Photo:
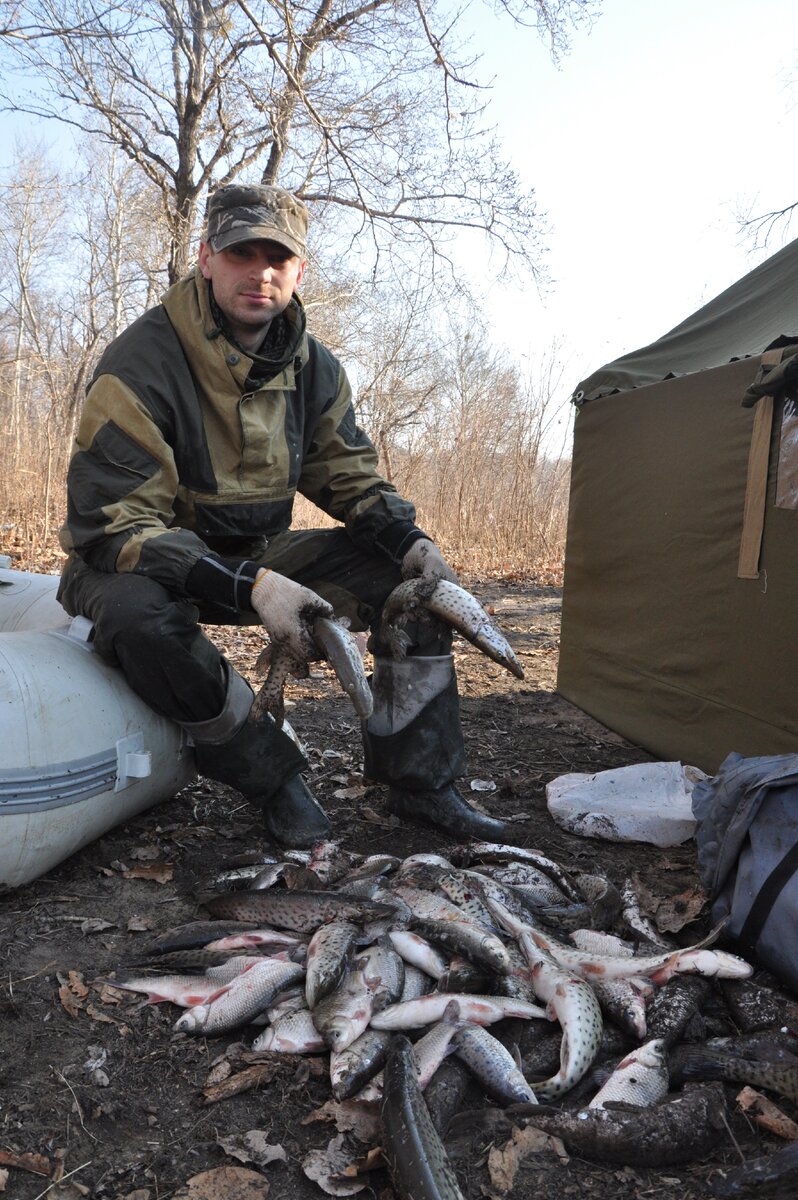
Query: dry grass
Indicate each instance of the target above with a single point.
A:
(510, 526)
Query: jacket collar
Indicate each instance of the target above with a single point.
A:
(196, 320)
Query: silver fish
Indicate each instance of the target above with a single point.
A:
(428, 1052)
(384, 971)
(291, 1000)
(493, 1065)
(262, 938)
(641, 1078)
(416, 983)
(183, 990)
(481, 1010)
(417, 951)
(345, 1013)
(454, 605)
(248, 994)
(341, 651)
(293, 1033)
(334, 643)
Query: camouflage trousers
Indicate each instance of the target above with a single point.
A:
(413, 739)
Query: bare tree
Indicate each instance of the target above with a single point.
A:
(364, 109)
(33, 209)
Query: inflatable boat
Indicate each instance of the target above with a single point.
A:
(79, 751)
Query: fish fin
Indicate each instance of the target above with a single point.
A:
(516, 1053)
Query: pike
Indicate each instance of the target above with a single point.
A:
(417, 1161)
(454, 605)
(426, 905)
(300, 911)
(495, 852)
(462, 888)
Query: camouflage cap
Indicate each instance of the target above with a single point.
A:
(242, 212)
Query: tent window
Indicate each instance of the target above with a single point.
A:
(787, 472)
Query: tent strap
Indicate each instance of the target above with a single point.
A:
(757, 481)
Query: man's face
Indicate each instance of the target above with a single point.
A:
(252, 283)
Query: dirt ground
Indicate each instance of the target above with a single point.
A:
(106, 1095)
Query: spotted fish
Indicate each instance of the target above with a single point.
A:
(334, 643)
(452, 604)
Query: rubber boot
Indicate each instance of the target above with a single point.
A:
(414, 743)
(264, 764)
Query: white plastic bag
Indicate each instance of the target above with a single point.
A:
(645, 802)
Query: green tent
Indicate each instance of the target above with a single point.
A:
(680, 608)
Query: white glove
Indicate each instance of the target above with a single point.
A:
(425, 559)
(287, 611)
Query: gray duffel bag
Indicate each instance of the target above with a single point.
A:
(747, 841)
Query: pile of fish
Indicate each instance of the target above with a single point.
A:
(397, 969)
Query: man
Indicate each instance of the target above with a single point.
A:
(202, 421)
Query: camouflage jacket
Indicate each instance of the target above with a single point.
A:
(178, 452)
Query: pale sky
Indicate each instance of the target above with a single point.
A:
(663, 122)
